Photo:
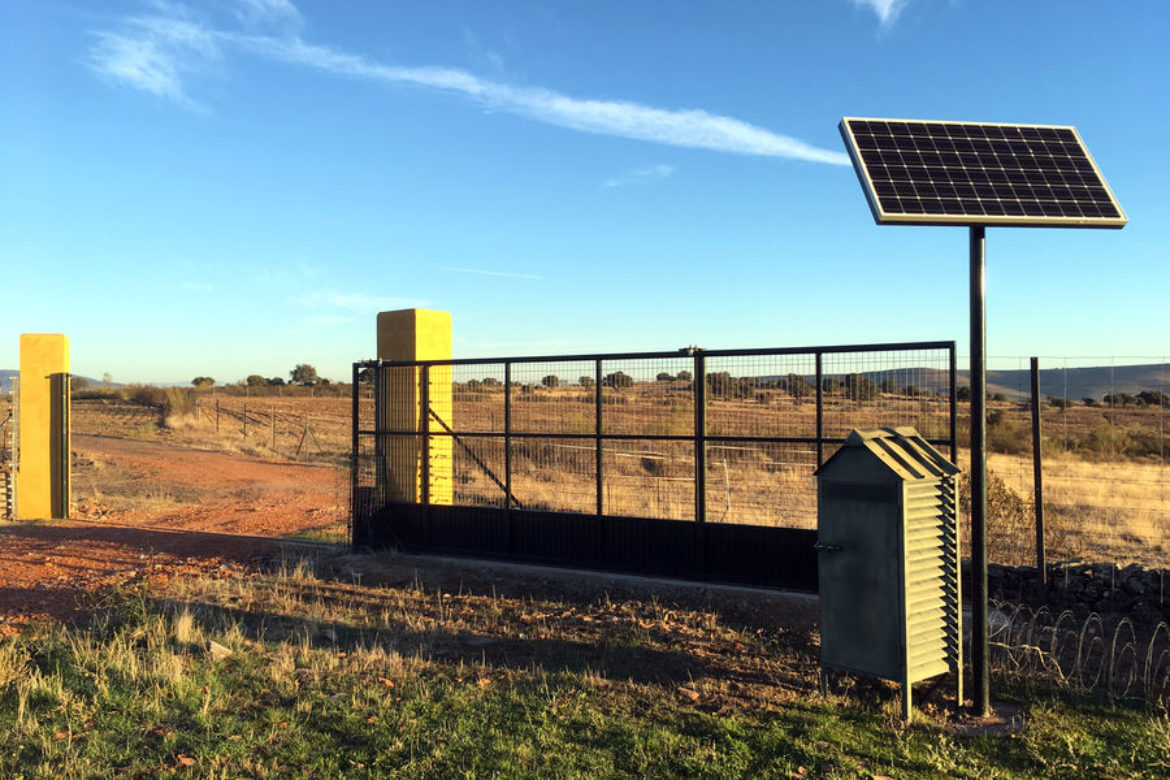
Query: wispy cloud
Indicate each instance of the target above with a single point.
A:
(503, 274)
(640, 176)
(199, 287)
(156, 53)
(887, 10)
(360, 303)
(279, 14)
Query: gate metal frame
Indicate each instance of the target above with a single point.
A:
(698, 549)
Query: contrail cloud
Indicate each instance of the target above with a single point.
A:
(156, 53)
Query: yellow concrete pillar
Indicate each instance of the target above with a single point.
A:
(42, 480)
(416, 334)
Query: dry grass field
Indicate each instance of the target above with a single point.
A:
(1107, 487)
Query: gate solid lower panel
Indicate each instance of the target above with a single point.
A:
(710, 552)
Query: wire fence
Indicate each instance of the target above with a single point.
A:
(1105, 445)
(715, 436)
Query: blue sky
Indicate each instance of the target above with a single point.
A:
(235, 186)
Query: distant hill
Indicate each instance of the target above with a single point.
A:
(7, 375)
(1072, 383)
(1077, 383)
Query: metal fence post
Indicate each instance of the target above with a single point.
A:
(700, 393)
(600, 455)
(508, 437)
(954, 399)
(1038, 472)
(353, 457)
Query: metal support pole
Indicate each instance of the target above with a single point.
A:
(979, 608)
(508, 437)
(1038, 472)
(954, 417)
(353, 457)
(597, 427)
(699, 388)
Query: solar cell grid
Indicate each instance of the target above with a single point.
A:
(968, 174)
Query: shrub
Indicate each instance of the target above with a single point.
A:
(618, 379)
(1007, 435)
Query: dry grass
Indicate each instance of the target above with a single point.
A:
(1103, 507)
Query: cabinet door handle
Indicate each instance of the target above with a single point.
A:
(827, 547)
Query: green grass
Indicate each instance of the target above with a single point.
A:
(328, 679)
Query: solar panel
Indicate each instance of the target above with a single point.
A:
(965, 173)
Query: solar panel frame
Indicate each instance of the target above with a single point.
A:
(929, 172)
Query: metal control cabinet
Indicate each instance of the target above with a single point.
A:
(888, 543)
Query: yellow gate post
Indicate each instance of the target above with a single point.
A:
(42, 479)
(409, 335)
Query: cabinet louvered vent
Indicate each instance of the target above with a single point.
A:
(889, 560)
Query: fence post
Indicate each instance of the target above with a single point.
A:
(1038, 472)
(700, 392)
(353, 458)
(216, 416)
(954, 421)
(245, 416)
(273, 446)
(820, 396)
(508, 443)
(597, 433)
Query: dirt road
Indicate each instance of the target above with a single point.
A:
(150, 511)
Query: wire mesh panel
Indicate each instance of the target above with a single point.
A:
(478, 398)
(762, 483)
(554, 474)
(730, 438)
(887, 389)
(1105, 463)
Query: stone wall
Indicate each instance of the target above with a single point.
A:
(1135, 591)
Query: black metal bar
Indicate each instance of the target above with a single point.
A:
(1038, 472)
(355, 455)
(979, 606)
(597, 432)
(699, 388)
(380, 476)
(509, 499)
(954, 400)
(508, 429)
(424, 421)
(830, 349)
(820, 396)
(648, 437)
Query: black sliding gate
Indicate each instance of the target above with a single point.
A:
(696, 464)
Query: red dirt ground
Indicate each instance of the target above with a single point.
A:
(148, 511)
